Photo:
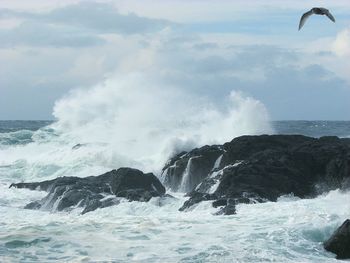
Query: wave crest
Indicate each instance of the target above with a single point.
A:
(146, 121)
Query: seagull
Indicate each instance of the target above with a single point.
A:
(316, 11)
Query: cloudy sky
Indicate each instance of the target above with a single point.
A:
(208, 48)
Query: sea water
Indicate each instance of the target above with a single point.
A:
(289, 230)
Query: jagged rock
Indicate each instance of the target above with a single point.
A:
(135, 185)
(219, 202)
(94, 192)
(262, 168)
(195, 164)
(339, 242)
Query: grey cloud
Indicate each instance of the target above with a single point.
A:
(9, 13)
(288, 90)
(324, 53)
(36, 34)
(104, 18)
(245, 58)
(79, 25)
(99, 17)
(205, 46)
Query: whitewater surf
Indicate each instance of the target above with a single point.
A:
(289, 230)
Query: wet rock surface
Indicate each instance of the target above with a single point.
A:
(262, 168)
(339, 242)
(248, 169)
(94, 192)
(197, 164)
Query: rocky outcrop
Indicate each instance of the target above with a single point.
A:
(262, 168)
(339, 242)
(246, 170)
(94, 192)
(187, 169)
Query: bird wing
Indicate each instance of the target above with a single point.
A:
(324, 10)
(330, 16)
(304, 17)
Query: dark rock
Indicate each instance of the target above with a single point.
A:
(100, 203)
(136, 181)
(197, 164)
(196, 197)
(94, 192)
(219, 202)
(339, 242)
(262, 168)
(135, 195)
(228, 209)
(33, 205)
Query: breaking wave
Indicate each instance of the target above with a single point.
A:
(146, 121)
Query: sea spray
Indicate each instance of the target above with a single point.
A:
(146, 121)
(289, 230)
(133, 121)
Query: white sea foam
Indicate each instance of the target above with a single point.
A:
(286, 231)
(145, 121)
(134, 121)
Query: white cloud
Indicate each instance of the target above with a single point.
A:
(100, 18)
(341, 45)
(271, 68)
(208, 10)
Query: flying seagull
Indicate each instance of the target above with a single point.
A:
(316, 11)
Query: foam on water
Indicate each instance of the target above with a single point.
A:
(15, 138)
(290, 230)
(137, 122)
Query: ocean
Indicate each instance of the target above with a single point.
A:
(289, 230)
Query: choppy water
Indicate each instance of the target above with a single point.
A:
(290, 230)
(313, 128)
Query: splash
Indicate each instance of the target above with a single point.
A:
(133, 121)
(145, 121)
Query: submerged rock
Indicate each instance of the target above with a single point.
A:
(262, 168)
(94, 192)
(228, 209)
(339, 242)
(196, 198)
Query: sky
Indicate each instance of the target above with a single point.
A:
(49, 49)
